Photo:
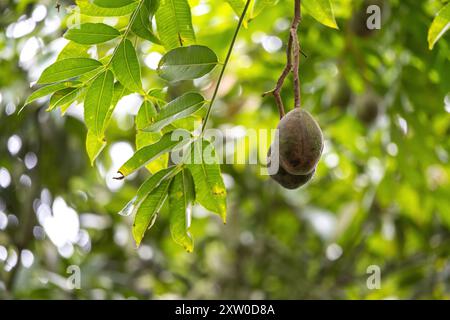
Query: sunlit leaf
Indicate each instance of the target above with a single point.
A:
(260, 5)
(173, 19)
(46, 90)
(113, 3)
(148, 186)
(94, 145)
(322, 11)
(170, 141)
(439, 26)
(90, 9)
(149, 199)
(238, 8)
(67, 68)
(209, 186)
(179, 108)
(64, 98)
(142, 24)
(145, 116)
(181, 196)
(126, 66)
(74, 50)
(98, 102)
(186, 63)
(91, 33)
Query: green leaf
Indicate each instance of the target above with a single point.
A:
(178, 108)
(98, 102)
(142, 26)
(64, 98)
(439, 26)
(126, 66)
(238, 8)
(113, 3)
(119, 92)
(209, 186)
(143, 156)
(92, 33)
(94, 146)
(90, 9)
(148, 186)
(322, 11)
(67, 68)
(260, 5)
(187, 63)
(149, 199)
(148, 210)
(145, 116)
(74, 50)
(46, 90)
(181, 196)
(173, 19)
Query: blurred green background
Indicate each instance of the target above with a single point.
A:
(380, 196)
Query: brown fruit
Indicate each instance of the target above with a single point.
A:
(287, 180)
(300, 142)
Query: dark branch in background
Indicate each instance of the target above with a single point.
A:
(292, 51)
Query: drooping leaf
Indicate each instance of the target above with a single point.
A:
(126, 66)
(142, 24)
(439, 26)
(98, 102)
(187, 63)
(181, 196)
(46, 90)
(145, 116)
(322, 11)
(173, 19)
(113, 3)
(94, 146)
(210, 189)
(92, 33)
(90, 9)
(67, 68)
(170, 141)
(179, 108)
(64, 98)
(148, 186)
(148, 210)
(118, 93)
(148, 201)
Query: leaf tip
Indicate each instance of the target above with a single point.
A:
(119, 176)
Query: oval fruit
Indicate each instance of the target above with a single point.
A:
(287, 180)
(300, 142)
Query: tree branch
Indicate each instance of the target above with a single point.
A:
(292, 51)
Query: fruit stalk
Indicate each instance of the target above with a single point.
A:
(292, 64)
(296, 52)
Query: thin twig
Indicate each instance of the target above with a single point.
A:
(296, 53)
(292, 51)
